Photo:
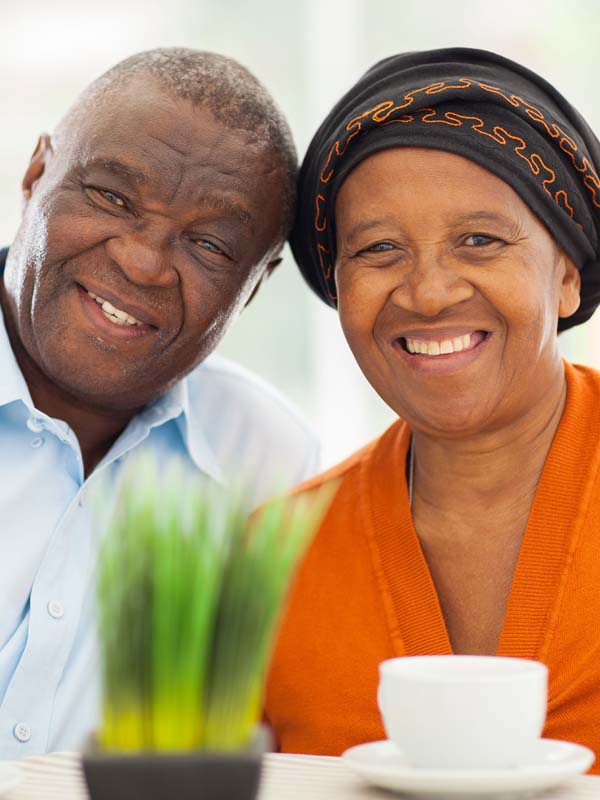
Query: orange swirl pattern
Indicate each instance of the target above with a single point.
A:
(388, 112)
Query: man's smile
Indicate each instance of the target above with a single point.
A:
(111, 319)
(116, 315)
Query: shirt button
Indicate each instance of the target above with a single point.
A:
(55, 609)
(37, 442)
(36, 425)
(22, 732)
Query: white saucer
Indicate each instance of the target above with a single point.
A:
(10, 777)
(384, 765)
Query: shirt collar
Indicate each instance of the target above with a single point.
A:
(175, 406)
(192, 431)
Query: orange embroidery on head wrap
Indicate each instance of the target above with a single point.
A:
(320, 218)
(386, 113)
(324, 259)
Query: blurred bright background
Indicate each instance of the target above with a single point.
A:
(307, 52)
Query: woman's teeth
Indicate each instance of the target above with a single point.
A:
(114, 314)
(439, 348)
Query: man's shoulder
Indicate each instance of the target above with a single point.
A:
(252, 426)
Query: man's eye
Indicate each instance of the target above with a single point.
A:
(479, 240)
(110, 197)
(113, 198)
(210, 246)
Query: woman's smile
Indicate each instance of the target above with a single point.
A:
(439, 352)
(440, 343)
(440, 347)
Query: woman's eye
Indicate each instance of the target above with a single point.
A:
(479, 240)
(378, 247)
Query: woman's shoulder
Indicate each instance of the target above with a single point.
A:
(583, 374)
(583, 390)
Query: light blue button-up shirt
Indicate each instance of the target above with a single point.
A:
(221, 421)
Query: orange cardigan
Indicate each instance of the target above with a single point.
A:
(364, 592)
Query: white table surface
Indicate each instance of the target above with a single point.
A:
(285, 777)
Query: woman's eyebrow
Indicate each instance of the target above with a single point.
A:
(368, 224)
(472, 217)
(468, 218)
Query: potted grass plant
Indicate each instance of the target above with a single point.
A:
(189, 594)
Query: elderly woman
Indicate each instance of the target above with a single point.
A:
(449, 208)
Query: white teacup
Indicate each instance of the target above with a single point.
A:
(463, 712)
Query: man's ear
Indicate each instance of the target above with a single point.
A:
(570, 289)
(270, 267)
(37, 165)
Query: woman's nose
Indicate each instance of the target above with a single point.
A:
(145, 260)
(431, 286)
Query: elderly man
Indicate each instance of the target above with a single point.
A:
(150, 218)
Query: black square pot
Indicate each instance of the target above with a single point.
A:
(164, 777)
(184, 776)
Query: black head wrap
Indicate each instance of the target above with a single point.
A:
(478, 105)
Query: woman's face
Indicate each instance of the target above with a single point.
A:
(449, 289)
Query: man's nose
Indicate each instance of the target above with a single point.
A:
(145, 260)
(431, 285)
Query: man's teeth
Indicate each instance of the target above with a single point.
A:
(114, 314)
(440, 348)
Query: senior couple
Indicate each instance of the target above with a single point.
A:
(449, 208)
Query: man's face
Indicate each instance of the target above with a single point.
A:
(449, 290)
(153, 206)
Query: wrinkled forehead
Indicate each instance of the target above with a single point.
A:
(167, 146)
(424, 175)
